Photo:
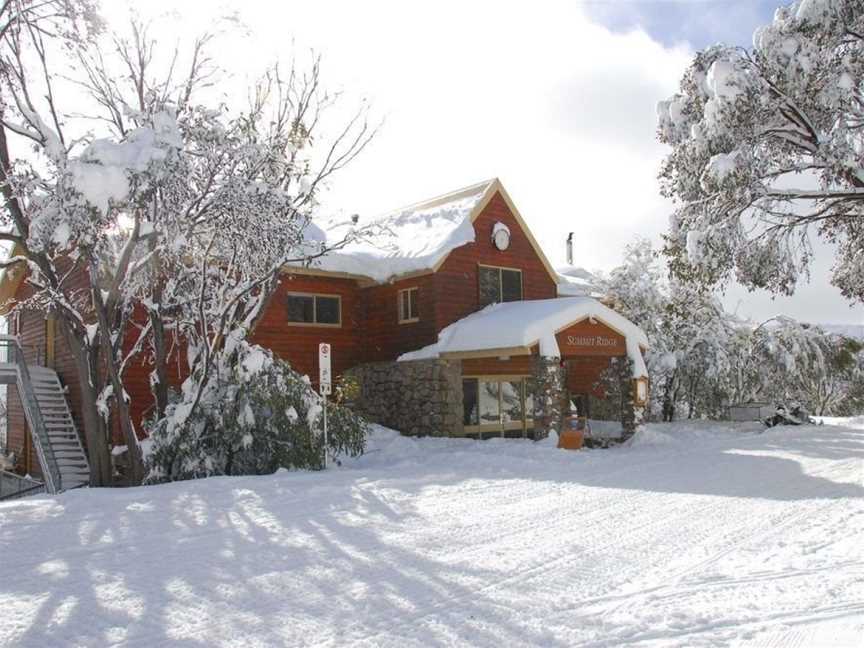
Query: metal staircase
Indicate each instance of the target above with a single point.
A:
(52, 428)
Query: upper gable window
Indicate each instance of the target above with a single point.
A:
(499, 285)
(321, 310)
(408, 308)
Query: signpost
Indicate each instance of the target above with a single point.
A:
(325, 385)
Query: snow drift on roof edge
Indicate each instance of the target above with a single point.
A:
(411, 239)
(525, 323)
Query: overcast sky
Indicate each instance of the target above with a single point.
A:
(555, 98)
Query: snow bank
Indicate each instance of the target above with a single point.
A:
(685, 434)
(523, 324)
(411, 239)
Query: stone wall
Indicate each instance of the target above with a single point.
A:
(549, 384)
(418, 398)
(619, 404)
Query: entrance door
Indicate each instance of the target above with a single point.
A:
(497, 406)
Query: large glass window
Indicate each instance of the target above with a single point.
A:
(499, 285)
(511, 401)
(492, 404)
(315, 309)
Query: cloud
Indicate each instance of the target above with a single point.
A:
(611, 97)
(558, 106)
(699, 23)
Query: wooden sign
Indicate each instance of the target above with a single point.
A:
(591, 339)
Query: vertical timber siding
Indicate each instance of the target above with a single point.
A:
(384, 338)
(456, 282)
(298, 344)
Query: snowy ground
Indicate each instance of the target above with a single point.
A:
(706, 536)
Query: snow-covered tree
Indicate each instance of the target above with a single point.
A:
(255, 415)
(766, 149)
(180, 210)
(684, 324)
(703, 358)
(805, 364)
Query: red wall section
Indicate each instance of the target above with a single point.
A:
(298, 344)
(456, 284)
(583, 373)
(513, 366)
(136, 378)
(384, 338)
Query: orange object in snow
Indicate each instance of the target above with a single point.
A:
(573, 434)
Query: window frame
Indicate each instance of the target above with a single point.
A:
(484, 429)
(500, 270)
(399, 313)
(315, 297)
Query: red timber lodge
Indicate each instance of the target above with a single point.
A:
(449, 321)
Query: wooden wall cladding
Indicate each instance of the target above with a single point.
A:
(512, 366)
(456, 282)
(298, 344)
(383, 337)
(583, 374)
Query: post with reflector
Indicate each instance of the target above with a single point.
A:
(324, 385)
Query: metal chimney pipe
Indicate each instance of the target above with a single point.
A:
(570, 249)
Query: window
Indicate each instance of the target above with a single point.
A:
(323, 310)
(490, 402)
(499, 285)
(408, 310)
(493, 404)
(469, 401)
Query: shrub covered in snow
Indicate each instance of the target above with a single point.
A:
(256, 415)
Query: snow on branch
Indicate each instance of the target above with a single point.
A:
(770, 135)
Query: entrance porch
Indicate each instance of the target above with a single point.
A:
(514, 370)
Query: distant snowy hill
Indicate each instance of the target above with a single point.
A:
(574, 281)
(849, 330)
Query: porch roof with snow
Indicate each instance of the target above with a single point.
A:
(514, 328)
(411, 240)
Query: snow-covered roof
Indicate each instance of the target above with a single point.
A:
(522, 324)
(574, 281)
(412, 239)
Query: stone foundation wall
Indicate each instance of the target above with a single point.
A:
(418, 398)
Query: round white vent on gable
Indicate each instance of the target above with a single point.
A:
(501, 236)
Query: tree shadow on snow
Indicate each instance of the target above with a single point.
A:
(247, 566)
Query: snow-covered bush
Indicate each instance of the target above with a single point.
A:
(766, 150)
(255, 416)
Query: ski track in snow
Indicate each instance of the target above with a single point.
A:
(696, 535)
